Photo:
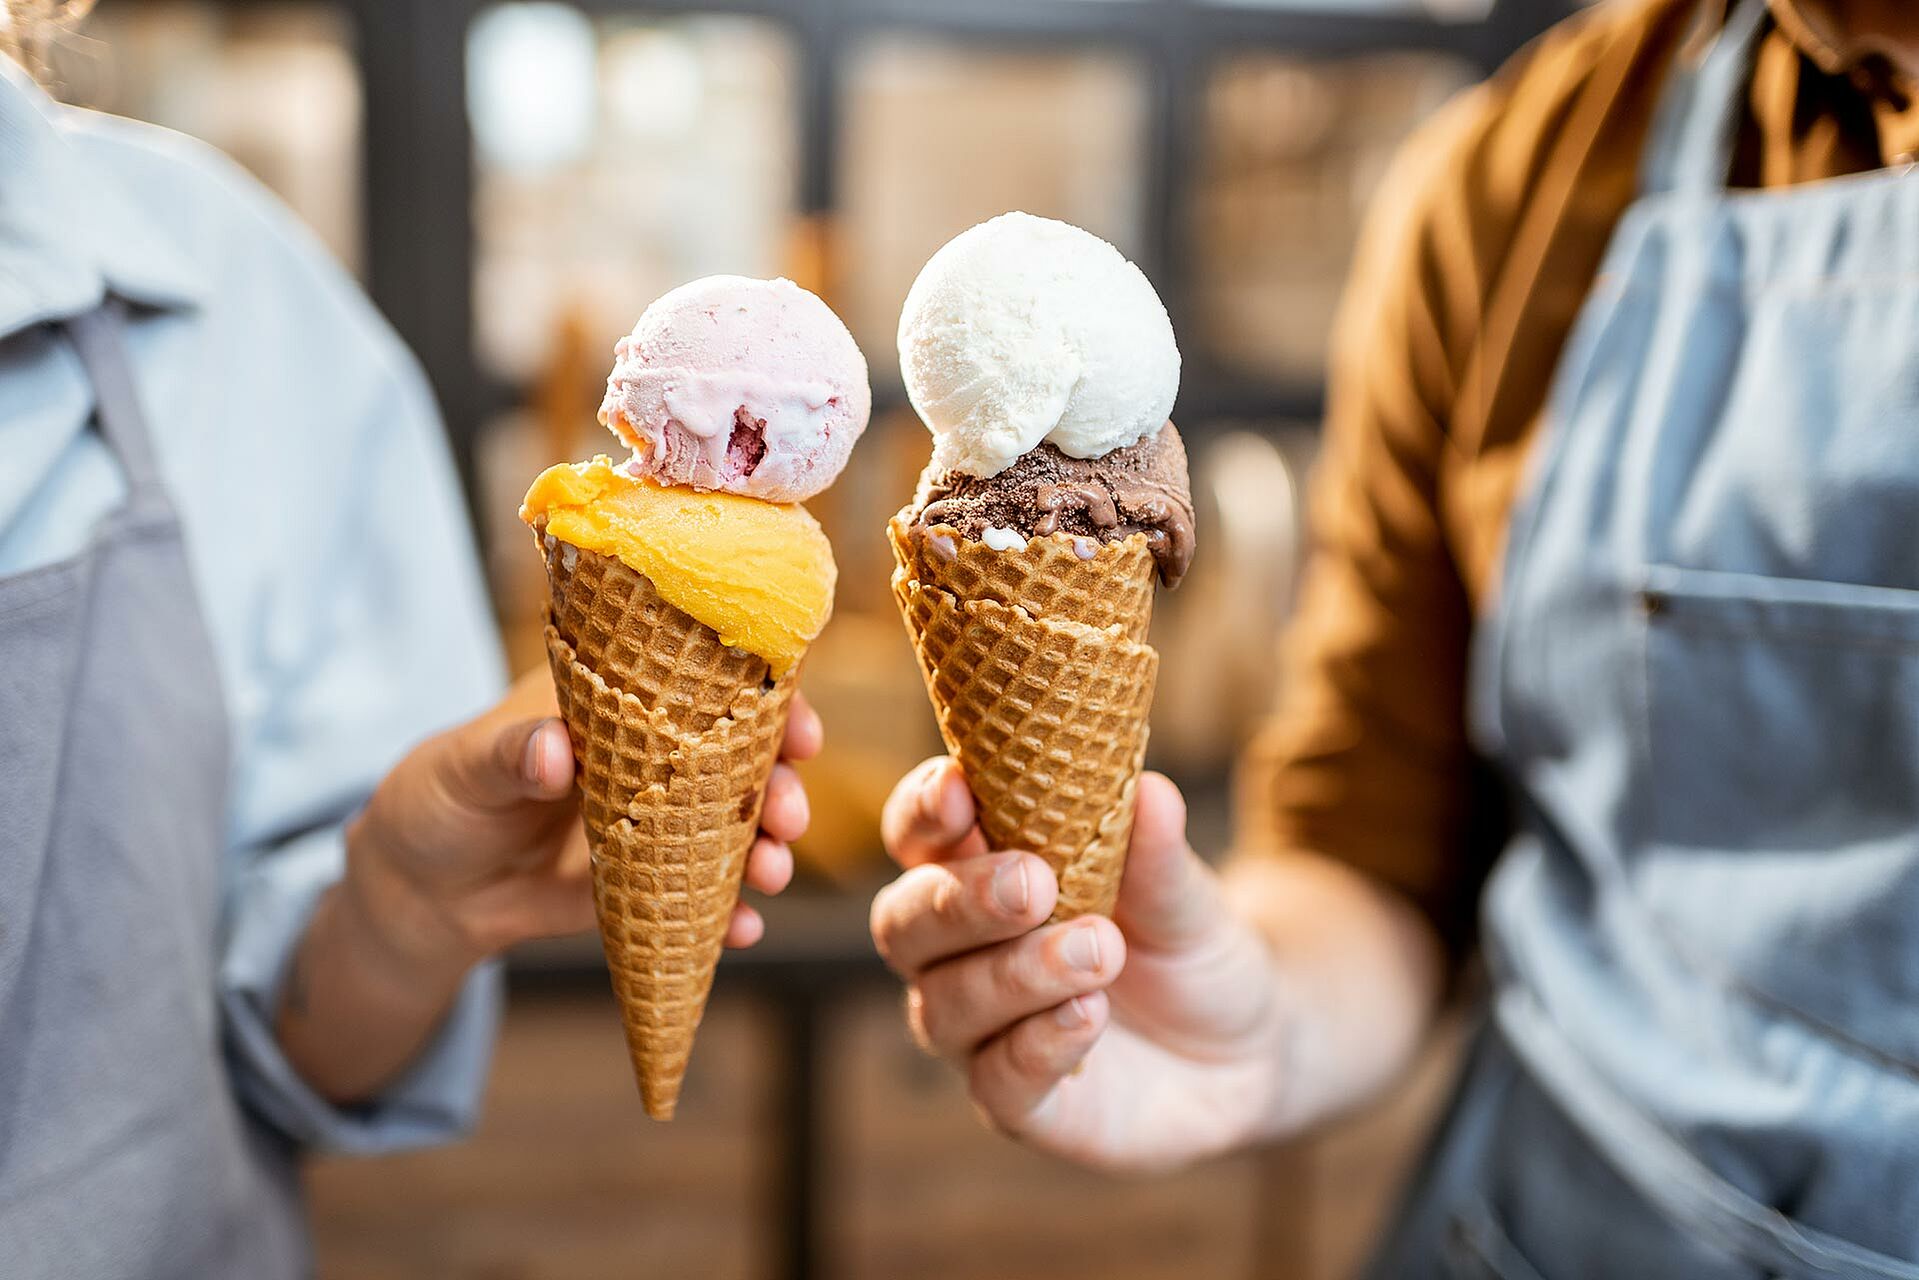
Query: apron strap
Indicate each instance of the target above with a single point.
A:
(1691, 147)
(97, 338)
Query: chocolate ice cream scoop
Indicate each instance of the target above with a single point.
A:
(1141, 488)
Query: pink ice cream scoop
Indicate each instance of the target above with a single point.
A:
(751, 386)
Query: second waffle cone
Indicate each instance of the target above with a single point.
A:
(1041, 679)
(675, 736)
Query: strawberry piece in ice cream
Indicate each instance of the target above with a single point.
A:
(750, 386)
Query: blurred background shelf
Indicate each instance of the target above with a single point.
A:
(1228, 147)
(513, 182)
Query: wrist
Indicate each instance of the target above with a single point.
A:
(1353, 977)
(1275, 1036)
(1297, 1089)
(1307, 1081)
(365, 988)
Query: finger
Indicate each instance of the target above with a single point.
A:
(965, 1002)
(546, 762)
(786, 812)
(805, 734)
(1168, 897)
(745, 928)
(940, 910)
(769, 866)
(554, 905)
(486, 766)
(560, 854)
(930, 816)
(1014, 1076)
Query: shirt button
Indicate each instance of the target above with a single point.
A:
(1651, 603)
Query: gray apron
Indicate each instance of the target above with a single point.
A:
(123, 1151)
(1702, 683)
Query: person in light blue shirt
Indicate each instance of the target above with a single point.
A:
(247, 903)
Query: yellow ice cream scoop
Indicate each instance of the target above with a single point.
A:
(759, 573)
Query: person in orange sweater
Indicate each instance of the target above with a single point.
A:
(1607, 663)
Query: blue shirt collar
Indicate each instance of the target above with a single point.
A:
(69, 235)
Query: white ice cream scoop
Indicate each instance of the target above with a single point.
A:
(1022, 330)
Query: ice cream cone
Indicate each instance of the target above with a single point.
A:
(686, 583)
(675, 735)
(1041, 679)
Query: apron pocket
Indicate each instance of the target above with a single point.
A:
(1781, 754)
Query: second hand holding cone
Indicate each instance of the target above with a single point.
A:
(678, 616)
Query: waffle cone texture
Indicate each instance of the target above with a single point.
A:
(674, 738)
(1041, 679)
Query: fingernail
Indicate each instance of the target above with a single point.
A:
(534, 765)
(1010, 888)
(929, 798)
(1072, 1015)
(1082, 948)
(952, 800)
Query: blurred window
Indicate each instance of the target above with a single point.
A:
(1293, 153)
(939, 136)
(531, 89)
(274, 85)
(615, 158)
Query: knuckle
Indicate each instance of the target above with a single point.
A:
(981, 1086)
(494, 932)
(916, 1020)
(1027, 1052)
(883, 922)
(952, 1008)
(894, 815)
(949, 896)
(905, 796)
(1009, 972)
(989, 1091)
(894, 846)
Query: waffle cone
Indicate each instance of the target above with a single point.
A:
(675, 736)
(1041, 679)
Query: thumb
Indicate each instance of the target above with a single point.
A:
(488, 765)
(1168, 897)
